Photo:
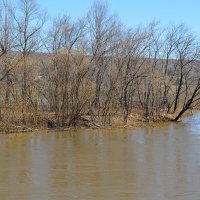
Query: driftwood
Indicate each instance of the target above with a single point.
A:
(77, 122)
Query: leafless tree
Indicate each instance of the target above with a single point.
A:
(28, 22)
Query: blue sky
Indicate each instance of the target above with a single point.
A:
(133, 12)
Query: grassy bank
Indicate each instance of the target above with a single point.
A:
(135, 120)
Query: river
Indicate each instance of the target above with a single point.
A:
(118, 164)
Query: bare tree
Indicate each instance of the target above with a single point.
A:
(103, 30)
(29, 21)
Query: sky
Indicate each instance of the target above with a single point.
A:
(134, 12)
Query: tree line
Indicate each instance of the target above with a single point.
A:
(61, 72)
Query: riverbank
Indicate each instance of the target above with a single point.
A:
(135, 121)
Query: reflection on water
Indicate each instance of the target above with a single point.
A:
(119, 164)
(193, 124)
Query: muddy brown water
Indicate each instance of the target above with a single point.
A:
(146, 164)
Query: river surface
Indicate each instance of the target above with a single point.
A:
(119, 164)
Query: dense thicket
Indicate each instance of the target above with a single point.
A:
(93, 70)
